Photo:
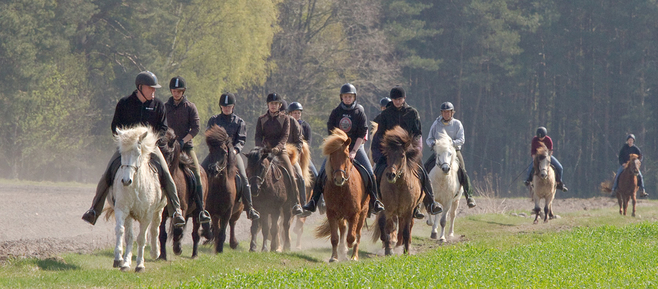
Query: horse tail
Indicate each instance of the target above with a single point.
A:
(324, 230)
(377, 233)
(305, 162)
(109, 213)
(606, 186)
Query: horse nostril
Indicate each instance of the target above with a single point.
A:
(127, 182)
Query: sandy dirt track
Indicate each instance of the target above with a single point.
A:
(42, 221)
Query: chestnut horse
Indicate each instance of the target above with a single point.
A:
(269, 181)
(543, 183)
(345, 196)
(222, 201)
(627, 184)
(180, 168)
(400, 189)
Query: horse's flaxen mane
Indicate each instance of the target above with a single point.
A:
(334, 142)
(443, 143)
(126, 137)
(542, 149)
(631, 157)
(397, 139)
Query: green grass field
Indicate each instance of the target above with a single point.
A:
(596, 248)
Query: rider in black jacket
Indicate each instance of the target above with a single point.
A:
(624, 155)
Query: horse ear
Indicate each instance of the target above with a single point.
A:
(143, 136)
(348, 142)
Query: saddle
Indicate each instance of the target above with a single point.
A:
(368, 180)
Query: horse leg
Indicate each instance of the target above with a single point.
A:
(405, 229)
(196, 237)
(452, 216)
(220, 236)
(537, 210)
(385, 234)
(626, 199)
(443, 221)
(255, 226)
(274, 232)
(342, 246)
(287, 221)
(434, 222)
(634, 198)
(154, 230)
(141, 244)
(549, 206)
(176, 240)
(333, 225)
(128, 254)
(299, 230)
(265, 223)
(119, 231)
(620, 200)
(358, 227)
(163, 238)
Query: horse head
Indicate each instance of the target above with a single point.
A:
(445, 153)
(400, 151)
(337, 146)
(135, 145)
(257, 167)
(542, 161)
(634, 164)
(219, 146)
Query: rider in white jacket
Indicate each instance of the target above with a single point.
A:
(446, 124)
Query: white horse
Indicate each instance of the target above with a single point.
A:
(543, 183)
(136, 195)
(445, 184)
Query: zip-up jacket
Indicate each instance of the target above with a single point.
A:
(235, 127)
(130, 111)
(272, 130)
(182, 118)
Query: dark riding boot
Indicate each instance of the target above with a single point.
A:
(528, 181)
(640, 183)
(252, 214)
(431, 205)
(204, 216)
(102, 189)
(318, 188)
(465, 182)
(429, 163)
(560, 185)
(301, 186)
(292, 194)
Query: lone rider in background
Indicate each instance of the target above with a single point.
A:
(183, 118)
(141, 107)
(542, 137)
(624, 155)
(452, 127)
(236, 129)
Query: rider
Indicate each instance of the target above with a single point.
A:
(624, 155)
(183, 118)
(452, 127)
(141, 107)
(272, 130)
(384, 103)
(295, 110)
(402, 114)
(236, 128)
(296, 138)
(542, 137)
(350, 118)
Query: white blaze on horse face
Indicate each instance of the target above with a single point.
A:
(444, 161)
(129, 165)
(544, 163)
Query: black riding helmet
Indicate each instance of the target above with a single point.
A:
(274, 97)
(447, 106)
(348, 88)
(295, 106)
(226, 99)
(384, 102)
(177, 83)
(631, 136)
(541, 131)
(146, 78)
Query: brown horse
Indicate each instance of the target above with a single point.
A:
(400, 189)
(627, 184)
(543, 183)
(345, 197)
(222, 202)
(269, 182)
(180, 167)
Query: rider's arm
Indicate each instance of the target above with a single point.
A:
(241, 137)
(258, 138)
(431, 138)
(459, 138)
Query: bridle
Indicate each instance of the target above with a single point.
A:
(346, 176)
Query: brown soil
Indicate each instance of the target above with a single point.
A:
(42, 221)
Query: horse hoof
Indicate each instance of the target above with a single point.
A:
(388, 252)
(442, 241)
(234, 245)
(333, 260)
(139, 269)
(163, 258)
(535, 222)
(546, 221)
(434, 235)
(125, 268)
(117, 263)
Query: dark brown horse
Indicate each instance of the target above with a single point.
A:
(627, 184)
(180, 167)
(345, 196)
(400, 189)
(222, 202)
(269, 183)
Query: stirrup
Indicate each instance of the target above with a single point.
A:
(470, 202)
(90, 216)
(434, 208)
(643, 194)
(310, 206)
(204, 217)
(297, 210)
(178, 220)
(252, 214)
(418, 214)
(378, 206)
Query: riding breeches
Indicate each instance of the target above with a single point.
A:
(640, 179)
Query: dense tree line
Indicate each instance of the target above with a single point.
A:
(584, 69)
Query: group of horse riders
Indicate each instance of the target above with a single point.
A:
(276, 128)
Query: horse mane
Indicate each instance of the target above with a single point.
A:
(334, 142)
(397, 139)
(127, 137)
(632, 157)
(443, 143)
(254, 155)
(216, 136)
(542, 149)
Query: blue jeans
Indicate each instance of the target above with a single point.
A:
(640, 183)
(313, 169)
(558, 168)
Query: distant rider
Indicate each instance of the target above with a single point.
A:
(542, 137)
(625, 155)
